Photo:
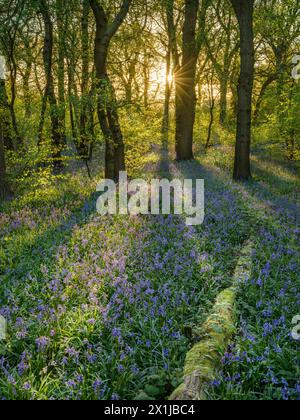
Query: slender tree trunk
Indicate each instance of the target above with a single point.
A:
(114, 124)
(280, 52)
(288, 132)
(260, 98)
(128, 83)
(5, 118)
(146, 77)
(61, 28)
(26, 77)
(185, 85)
(168, 89)
(13, 81)
(172, 58)
(91, 122)
(223, 99)
(85, 136)
(72, 112)
(211, 113)
(73, 125)
(49, 94)
(107, 103)
(244, 13)
(26, 90)
(4, 186)
(42, 119)
(103, 97)
(37, 79)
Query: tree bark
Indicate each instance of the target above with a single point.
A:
(85, 136)
(4, 186)
(168, 89)
(29, 61)
(72, 104)
(172, 57)
(223, 99)
(26, 90)
(49, 94)
(185, 85)
(13, 82)
(107, 103)
(146, 77)
(260, 98)
(4, 189)
(244, 12)
(172, 33)
(61, 28)
(5, 118)
(211, 111)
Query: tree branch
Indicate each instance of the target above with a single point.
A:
(119, 19)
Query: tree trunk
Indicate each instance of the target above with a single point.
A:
(26, 77)
(5, 118)
(49, 93)
(91, 122)
(61, 30)
(72, 112)
(262, 92)
(103, 97)
(168, 89)
(128, 82)
(107, 103)
(185, 85)
(26, 90)
(13, 82)
(171, 58)
(244, 12)
(211, 112)
(119, 147)
(234, 96)
(4, 187)
(223, 99)
(146, 77)
(85, 136)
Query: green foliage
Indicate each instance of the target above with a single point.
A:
(102, 308)
(142, 135)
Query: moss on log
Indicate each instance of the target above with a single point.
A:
(204, 359)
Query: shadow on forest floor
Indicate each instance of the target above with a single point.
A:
(275, 185)
(44, 246)
(226, 214)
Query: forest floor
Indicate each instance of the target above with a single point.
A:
(108, 307)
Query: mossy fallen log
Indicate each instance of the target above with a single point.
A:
(204, 359)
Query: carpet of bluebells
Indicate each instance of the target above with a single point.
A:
(107, 307)
(264, 361)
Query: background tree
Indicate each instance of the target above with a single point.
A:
(107, 106)
(5, 139)
(222, 47)
(49, 93)
(276, 45)
(185, 77)
(71, 63)
(10, 25)
(244, 13)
